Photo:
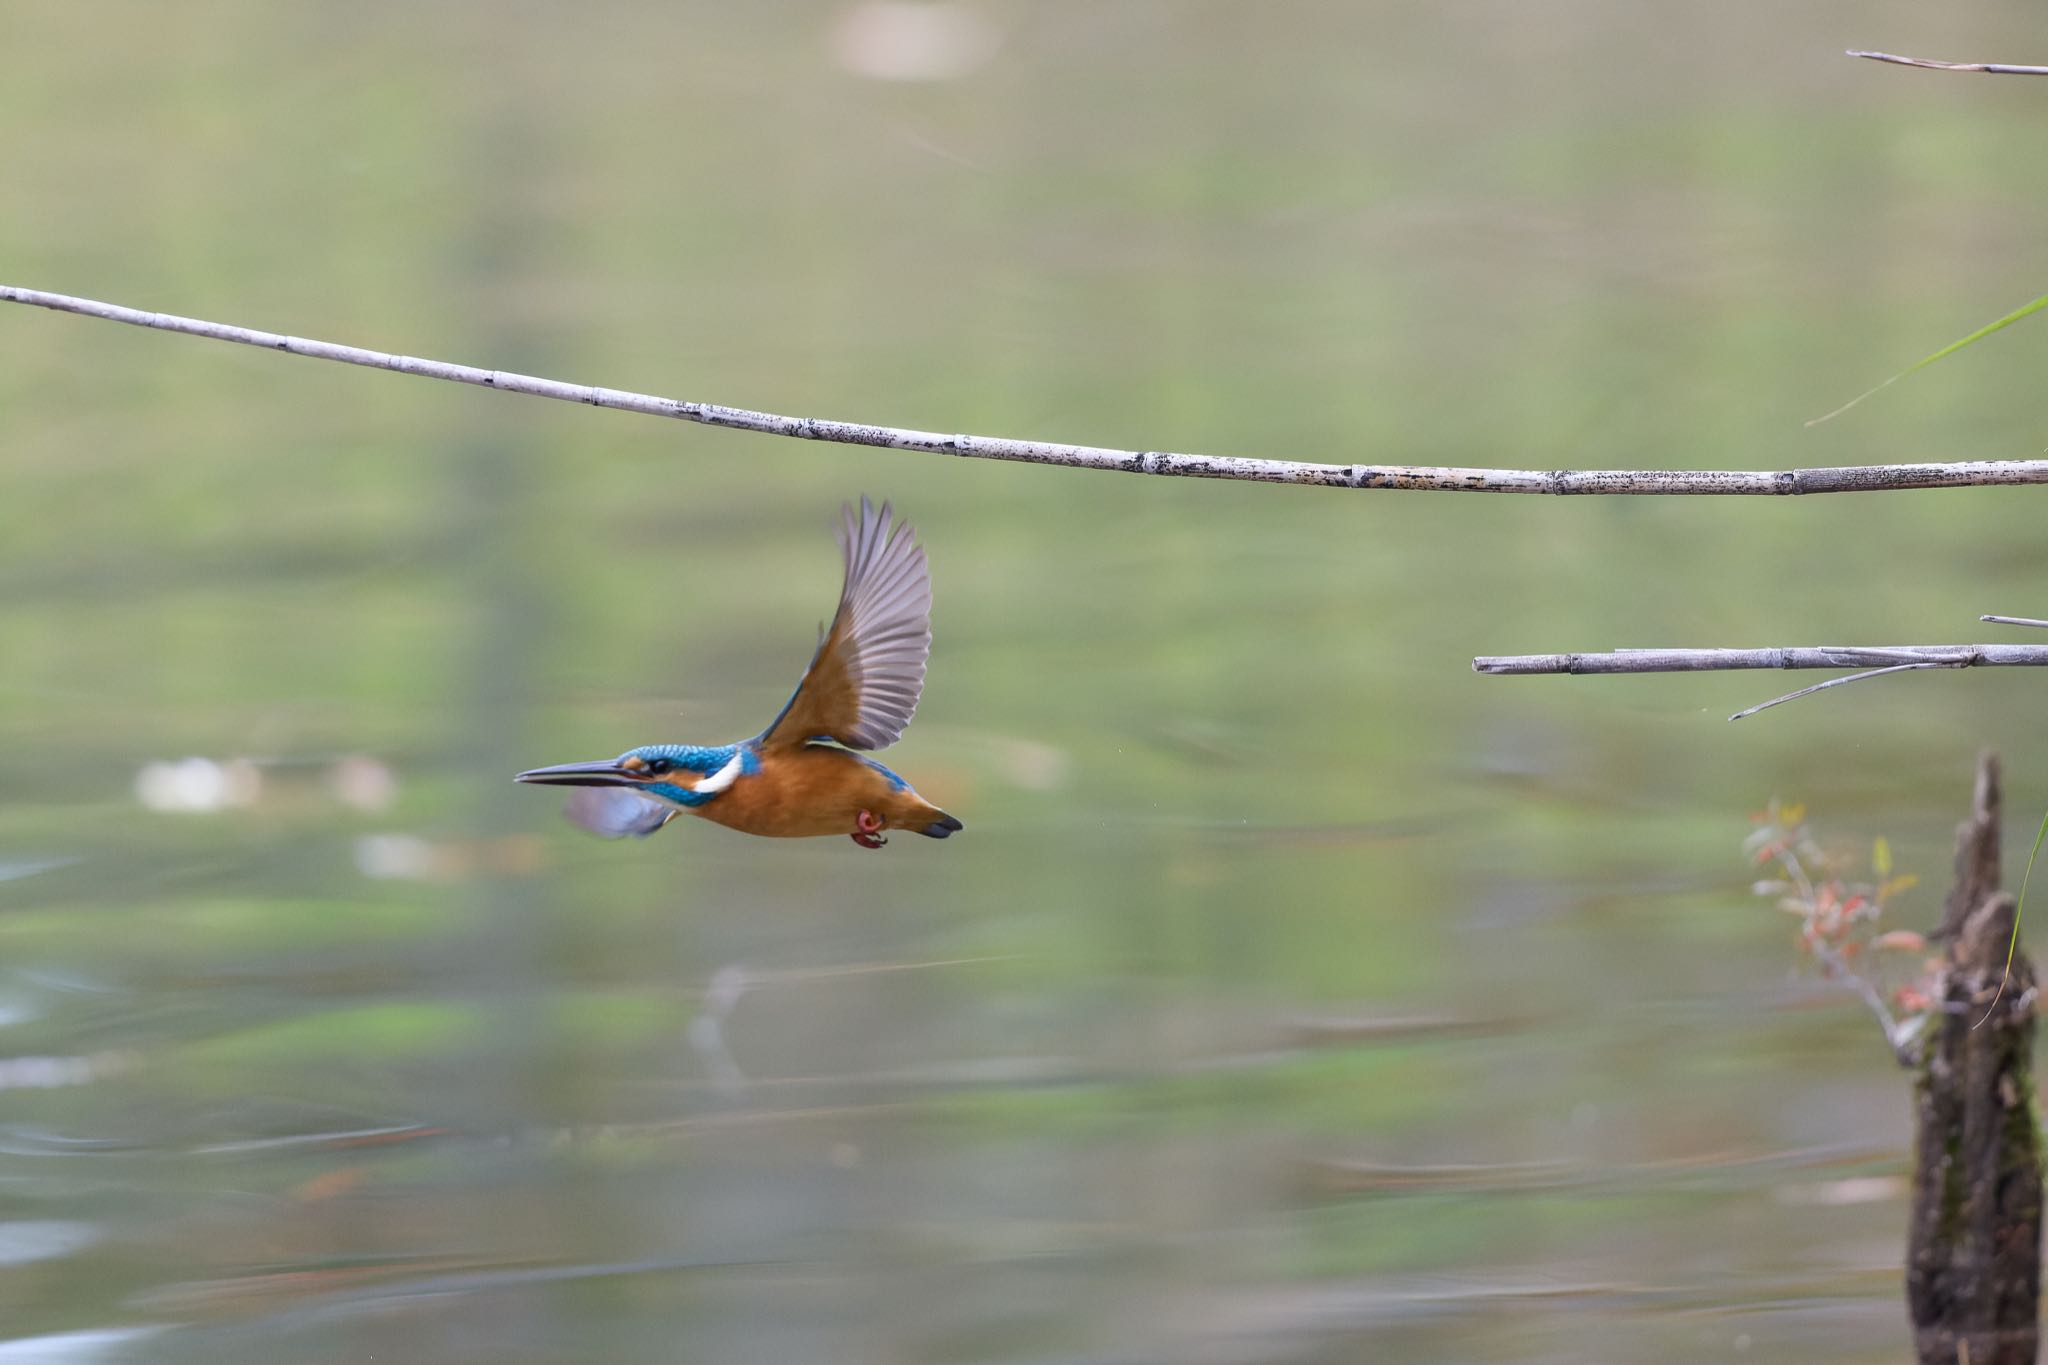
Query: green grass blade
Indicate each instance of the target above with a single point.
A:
(2020, 908)
(2008, 320)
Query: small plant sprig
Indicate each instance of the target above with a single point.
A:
(1841, 912)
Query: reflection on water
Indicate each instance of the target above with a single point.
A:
(1293, 994)
(76, 1348)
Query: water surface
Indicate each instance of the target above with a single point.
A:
(1293, 993)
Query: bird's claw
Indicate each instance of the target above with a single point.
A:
(870, 835)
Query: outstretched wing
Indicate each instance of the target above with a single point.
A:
(864, 681)
(615, 812)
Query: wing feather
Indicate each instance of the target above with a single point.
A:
(616, 812)
(864, 682)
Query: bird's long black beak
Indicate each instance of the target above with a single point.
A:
(606, 773)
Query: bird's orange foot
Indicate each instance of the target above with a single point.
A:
(870, 835)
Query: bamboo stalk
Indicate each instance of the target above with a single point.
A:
(1811, 656)
(1651, 482)
(1874, 660)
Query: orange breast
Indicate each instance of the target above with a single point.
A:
(802, 792)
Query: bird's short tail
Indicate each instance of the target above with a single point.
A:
(941, 827)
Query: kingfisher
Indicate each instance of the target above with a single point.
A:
(807, 773)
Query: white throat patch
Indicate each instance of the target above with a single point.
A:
(723, 778)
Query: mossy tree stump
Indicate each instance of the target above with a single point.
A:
(1973, 1263)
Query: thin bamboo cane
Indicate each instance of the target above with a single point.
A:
(1874, 660)
(1810, 656)
(1651, 482)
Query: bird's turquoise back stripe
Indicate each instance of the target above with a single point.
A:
(895, 783)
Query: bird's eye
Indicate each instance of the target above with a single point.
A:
(657, 767)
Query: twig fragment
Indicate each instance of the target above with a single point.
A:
(1834, 682)
(1989, 68)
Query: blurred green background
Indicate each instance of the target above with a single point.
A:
(1293, 994)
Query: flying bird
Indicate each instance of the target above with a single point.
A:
(806, 774)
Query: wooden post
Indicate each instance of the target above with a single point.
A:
(1973, 1256)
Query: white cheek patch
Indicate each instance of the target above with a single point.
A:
(721, 779)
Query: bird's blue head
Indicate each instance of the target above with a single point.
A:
(682, 774)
